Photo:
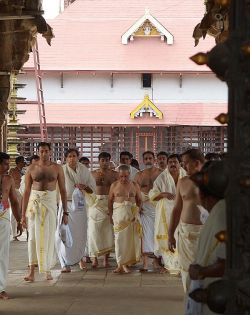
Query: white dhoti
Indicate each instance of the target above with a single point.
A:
(187, 247)
(127, 233)
(148, 222)
(77, 221)
(42, 213)
(12, 218)
(162, 220)
(100, 230)
(4, 247)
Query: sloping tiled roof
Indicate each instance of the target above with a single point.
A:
(190, 114)
(88, 37)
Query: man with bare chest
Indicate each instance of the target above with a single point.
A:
(124, 206)
(7, 193)
(17, 174)
(145, 179)
(40, 207)
(186, 214)
(100, 230)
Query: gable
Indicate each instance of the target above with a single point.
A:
(147, 26)
(146, 106)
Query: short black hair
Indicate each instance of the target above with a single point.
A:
(84, 159)
(162, 153)
(19, 159)
(126, 153)
(44, 144)
(148, 152)
(4, 156)
(34, 157)
(195, 155)
(70, 151)
(104, 155)
(174, 156)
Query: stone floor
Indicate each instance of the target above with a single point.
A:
(89, 292)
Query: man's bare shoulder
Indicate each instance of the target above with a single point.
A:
(184, 180)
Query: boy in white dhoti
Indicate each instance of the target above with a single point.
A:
(40, 206)
(7, 193)
(145, 180)
(209, 263)
(101, 240)
(124, 206)
(78, 182)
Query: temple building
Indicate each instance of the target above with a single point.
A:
(118, 77)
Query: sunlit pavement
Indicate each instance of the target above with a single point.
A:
(89, 292)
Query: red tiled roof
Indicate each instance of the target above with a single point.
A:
(191, 114)
(88, 37)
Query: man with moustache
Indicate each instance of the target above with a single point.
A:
(145, 180)
(163, 193)
(40, 207)
(100, 230)
(186, 214)
(162, 160)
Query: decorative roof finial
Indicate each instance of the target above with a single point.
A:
(147, 11)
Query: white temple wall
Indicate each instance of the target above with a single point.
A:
(127, 88)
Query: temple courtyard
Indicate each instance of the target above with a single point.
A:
(89, 292)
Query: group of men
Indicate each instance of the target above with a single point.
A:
(154, 213)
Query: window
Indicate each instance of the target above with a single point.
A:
(146, 80)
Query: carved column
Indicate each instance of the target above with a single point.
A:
(238, 196)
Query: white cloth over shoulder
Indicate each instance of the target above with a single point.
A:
(209, 249)
(77, 219)
(164, 207)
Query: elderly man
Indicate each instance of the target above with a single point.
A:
(40, 206)
(7, 193)
(124, 206)
(125, 159)
(186, 214)
(163, 193)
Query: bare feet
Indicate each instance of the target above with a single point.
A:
(163, 270)
(118, 270)
(29, 278)
(49, 276)
(143, 270)
(4, 296)
(66, 269)
(125, 268)
(95, 263)
(88, 260)
(82, 265)
(15, 238)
